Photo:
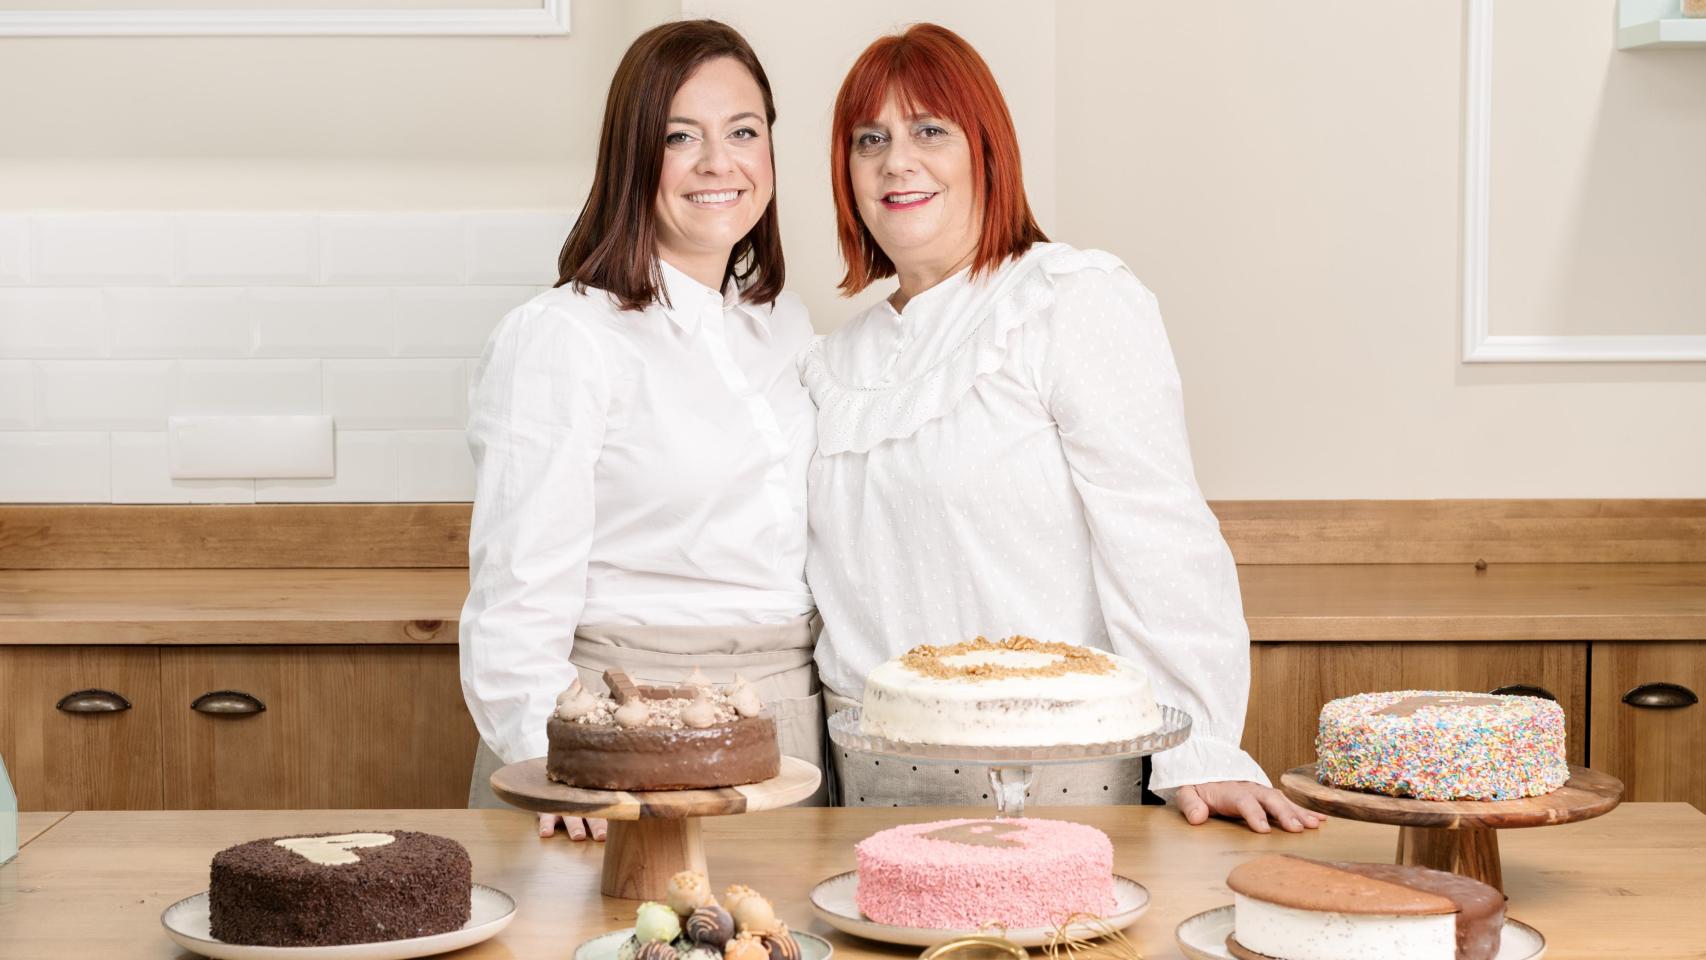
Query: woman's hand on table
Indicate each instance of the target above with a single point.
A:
(578, 828)
(1256, 805)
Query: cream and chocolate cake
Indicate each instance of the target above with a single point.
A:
(1292, 908)
(1018, 692)
(335, 888)
(966, 874)
(683, 737)
(1434, 745)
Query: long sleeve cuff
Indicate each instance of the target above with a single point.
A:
(1201, 760)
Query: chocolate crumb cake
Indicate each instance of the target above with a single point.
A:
(685, 737)
(336, 888)
(1294, 908)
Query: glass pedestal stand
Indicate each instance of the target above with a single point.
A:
(1012, 770)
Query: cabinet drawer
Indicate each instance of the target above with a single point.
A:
(314, 727)
(80, 726)
(1291, 681)
(1658, 750)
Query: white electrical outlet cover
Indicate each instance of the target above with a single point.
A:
(233, 448)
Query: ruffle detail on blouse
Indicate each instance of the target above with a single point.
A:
(856, 419)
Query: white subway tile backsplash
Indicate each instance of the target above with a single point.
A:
(178, 322)
(399, 394)
(95, 249)
(17, 394)
(236, 340)
(360, 249)
(366, 472)
(54, 468)
(14, 249)
(434, 466)
(248, 387)
(516, 248)
(103, 394)
(452, 321)
(242, 249)
(244, 447)
(322, 322)
(37, 322)
(141, 466)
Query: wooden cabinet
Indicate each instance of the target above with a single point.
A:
(1658, 750)
(346, 727)
(373, 726)
(97, 751)
(1291, 681)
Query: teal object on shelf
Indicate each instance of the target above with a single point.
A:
(8, 816)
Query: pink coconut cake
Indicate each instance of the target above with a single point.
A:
(963, 874)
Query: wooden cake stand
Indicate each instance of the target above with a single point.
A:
(655, 834)
(1458, 835)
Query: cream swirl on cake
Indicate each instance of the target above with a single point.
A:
(1018, 692)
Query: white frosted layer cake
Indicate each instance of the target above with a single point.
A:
(1018, 692)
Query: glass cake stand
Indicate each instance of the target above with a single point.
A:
(1012, 770)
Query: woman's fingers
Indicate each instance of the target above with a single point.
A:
(1283, 812)
(547, 824)
(598, 827)
(1250, 808)
(1191, 805)
(577, 827)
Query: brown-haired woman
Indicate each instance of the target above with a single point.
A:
(640, 435)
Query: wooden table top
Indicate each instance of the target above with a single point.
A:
(1626, 884)
(33, 825)
(1320, 602)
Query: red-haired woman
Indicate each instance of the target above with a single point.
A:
(640, 434)
(1001, 444)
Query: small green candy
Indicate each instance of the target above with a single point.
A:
(655, 921)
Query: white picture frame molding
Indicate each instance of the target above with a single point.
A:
(1480, 344)
(551, 18)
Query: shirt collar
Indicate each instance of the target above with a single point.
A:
(686, 297)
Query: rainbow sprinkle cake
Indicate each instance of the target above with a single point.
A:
(1434, 745)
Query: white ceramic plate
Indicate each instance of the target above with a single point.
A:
(812, 947)
(834, 902)
(187, 922)
(1203, 937)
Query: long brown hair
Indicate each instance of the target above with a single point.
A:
(613, 246)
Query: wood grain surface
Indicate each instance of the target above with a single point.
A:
(56, 536)
(1587, 794)
(33, 825)
(525, 785)
(1308, 603)
(1624, 885)
(345, 726)
(1655, 752)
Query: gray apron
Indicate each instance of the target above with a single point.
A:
(776, 659)
(866, 781)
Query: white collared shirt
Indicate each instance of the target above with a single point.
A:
(1008, 456)
(631, 467)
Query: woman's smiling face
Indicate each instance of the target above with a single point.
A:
(717, 174)
(912, 179)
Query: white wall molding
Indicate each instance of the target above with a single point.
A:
(552, 18)
(1480, 343)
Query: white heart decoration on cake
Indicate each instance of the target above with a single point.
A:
(333, 850)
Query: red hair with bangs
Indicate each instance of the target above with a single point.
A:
(932, 68)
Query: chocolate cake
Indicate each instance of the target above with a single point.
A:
(1294, 908)
(334, 888)
(660, 738)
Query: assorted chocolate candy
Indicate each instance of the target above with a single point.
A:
(691, 925)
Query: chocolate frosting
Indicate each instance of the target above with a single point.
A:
(1480, 907)
(601, 757)
(260, 893)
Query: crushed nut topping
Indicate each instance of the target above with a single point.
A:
(930, 661)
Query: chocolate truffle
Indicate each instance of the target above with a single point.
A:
(711, 925)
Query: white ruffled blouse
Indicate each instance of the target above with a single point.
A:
(1008, 456)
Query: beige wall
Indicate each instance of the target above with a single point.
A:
(1287, 180)
(1289, 184)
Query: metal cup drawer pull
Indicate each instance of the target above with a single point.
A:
(1523, 690)
(1661, 696)
(92, 701)
(227, 703)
